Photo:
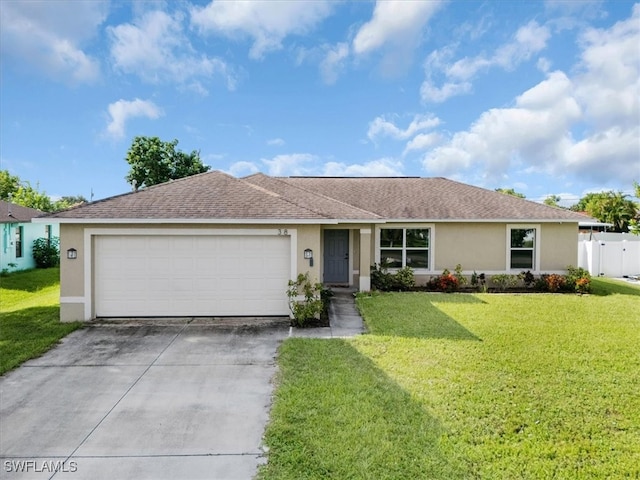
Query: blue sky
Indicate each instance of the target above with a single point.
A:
(542, 97)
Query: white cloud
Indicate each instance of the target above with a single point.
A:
(527, 41)
(609, 155)
(422, 141)
(381, 127)
(334, 62)
(122, 110)
(156, 49)
(395, 22)
(429, 92)
(48, 36)
(586, 125)
(384, 167)
(242, 169)
(290, 164)
(609, 81)
(267, 23)
(395, 29)
(536, 129)
(275, 142)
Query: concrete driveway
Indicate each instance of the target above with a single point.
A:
(147, 401)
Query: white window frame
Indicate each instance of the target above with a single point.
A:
(536, 247)
(404, 227)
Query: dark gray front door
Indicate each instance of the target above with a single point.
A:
(336, 256)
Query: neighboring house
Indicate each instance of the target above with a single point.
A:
(18, 234)
(216, 245)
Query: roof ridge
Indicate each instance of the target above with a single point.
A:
(284, 180)
(277, 195)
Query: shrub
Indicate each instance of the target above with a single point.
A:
(447, 282)
(583, 285)
(46, 252)
(403, 279)
(380, 278)
(555, 282)
(578, 280)
(479, 281)
(312, 304)
(383, 280)
(504, 281)
(457, 272)
(527, 278)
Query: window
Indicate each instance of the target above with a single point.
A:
(522, 251)
(19, 234)
(404, 247)
(47, 234)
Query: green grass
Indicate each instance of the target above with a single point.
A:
(466, 386)
(29, 316)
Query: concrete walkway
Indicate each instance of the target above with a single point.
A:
(344, 319)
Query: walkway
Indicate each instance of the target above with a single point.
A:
(344, 319)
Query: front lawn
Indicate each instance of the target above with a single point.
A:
(466, 386)
(29, 316)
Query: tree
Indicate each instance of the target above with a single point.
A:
(634, 223)
(22, 193)
(68, 202)
(27, 196)
(153, 161)
(510, 191)
(552, 200)
(609, 207)
(8, 184)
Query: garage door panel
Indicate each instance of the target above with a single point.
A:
(202, 275)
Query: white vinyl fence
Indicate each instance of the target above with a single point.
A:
(609, 254)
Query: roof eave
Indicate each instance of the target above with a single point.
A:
(150, 221)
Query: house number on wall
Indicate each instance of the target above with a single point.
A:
(283, 231)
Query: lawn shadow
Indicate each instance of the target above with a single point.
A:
(602, 288)
(30, 280)
(417, 315)
(351, 419)
(30, 332)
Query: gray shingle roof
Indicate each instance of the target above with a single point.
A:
(431, 199)
(12, 213)
(217, 196)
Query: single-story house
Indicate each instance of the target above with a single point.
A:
(18, 234)
(216, 245)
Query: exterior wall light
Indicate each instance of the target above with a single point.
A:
(72, 254)
(308, 255)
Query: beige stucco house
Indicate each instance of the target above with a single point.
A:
(216, 245)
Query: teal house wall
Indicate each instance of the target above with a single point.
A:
(17, 234)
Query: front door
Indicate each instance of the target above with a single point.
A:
(336, 256)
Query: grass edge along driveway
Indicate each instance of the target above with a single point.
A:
(30, 316)
(465, 386)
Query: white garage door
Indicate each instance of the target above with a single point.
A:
(200, 275)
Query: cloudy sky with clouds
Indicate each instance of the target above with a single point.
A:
(542, 97)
